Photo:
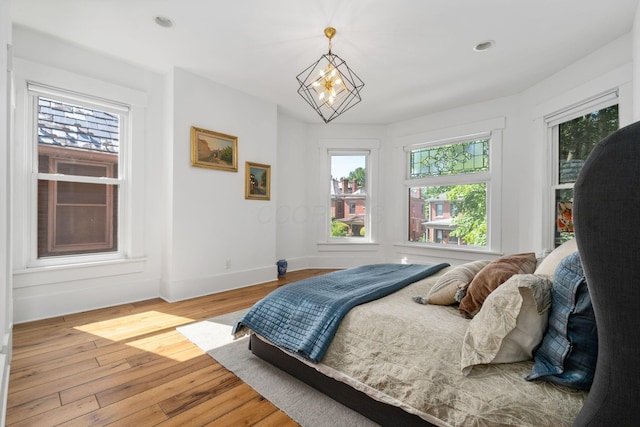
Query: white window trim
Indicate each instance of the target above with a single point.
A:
(36, 90)
(369, 148)
(552, 122)
(491, 129)
(77, 267)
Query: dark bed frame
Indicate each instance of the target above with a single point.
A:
(382, 413)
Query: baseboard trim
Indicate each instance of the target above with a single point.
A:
(180, 290)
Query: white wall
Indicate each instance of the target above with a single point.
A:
(197, 234)
(6, 303)
(525, 166)
(47, 292)
(320, 254)
(500, 115)
(195, 219)
(212, 224)
(604, 69)
(294, 211)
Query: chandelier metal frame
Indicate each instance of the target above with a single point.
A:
(329, 85)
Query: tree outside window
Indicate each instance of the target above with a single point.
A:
(575, 140)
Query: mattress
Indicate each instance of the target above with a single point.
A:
(408, 355)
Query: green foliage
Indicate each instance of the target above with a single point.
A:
(470, 201)
(339, 229)
(359, 175)
(226, 155)
(579, 136)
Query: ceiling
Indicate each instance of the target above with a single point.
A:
(415, 56)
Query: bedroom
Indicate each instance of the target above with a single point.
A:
(170, 257)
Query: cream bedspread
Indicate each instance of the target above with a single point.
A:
(408, 354)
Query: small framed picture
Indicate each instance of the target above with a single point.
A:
(257, 181)
(565, 217)
(213, 150)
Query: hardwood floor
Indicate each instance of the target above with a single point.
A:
(128, 366)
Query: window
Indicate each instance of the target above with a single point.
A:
(439, 209)
(574, 133)
(348, 174)
(348, 194)
(78, 164)
(449, 186)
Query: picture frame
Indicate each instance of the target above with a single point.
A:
(257, 181)
(213, 150)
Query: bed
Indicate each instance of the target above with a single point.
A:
(399, 361)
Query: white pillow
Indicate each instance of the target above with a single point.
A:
(510, 324)
(549, 264)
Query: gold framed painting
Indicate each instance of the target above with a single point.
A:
(257, 181)
(213, 150)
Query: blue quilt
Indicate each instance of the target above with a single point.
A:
(302, 317)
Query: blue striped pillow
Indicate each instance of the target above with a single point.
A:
(569, 349)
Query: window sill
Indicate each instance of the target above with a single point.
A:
(36, 276)
(457, 252)
(348, 246)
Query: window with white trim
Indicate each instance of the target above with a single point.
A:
(573, 133)
(452, 188)
(77, 169)
(348, 216)
(348, 174)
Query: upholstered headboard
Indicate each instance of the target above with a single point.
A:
(607, 229)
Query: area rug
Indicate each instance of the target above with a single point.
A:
(304, 404)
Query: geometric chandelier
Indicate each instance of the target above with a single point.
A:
(329, 85)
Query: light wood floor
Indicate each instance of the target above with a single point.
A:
(128, 366)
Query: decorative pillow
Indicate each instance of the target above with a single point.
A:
(541, 256)
(510, 324)
(445, 289)
(569, 349)
(550, 263)
(493, 275)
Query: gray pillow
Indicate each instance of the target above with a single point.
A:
(445, 289)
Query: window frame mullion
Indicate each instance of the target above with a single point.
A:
(78, 178)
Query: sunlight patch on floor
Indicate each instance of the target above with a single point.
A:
(133, 325)
(208, 334)
(212, 333)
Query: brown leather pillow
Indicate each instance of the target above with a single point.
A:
(493, 275)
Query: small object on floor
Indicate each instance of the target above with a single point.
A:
(282, 267)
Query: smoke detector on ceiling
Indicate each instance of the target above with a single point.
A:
(163, 21)
(484, 45)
